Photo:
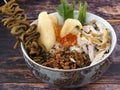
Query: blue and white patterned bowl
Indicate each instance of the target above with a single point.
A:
(73, 77)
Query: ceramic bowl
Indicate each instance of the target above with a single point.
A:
(73, 77)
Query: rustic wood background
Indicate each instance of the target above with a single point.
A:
(14, 74)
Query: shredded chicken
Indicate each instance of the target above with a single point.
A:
(94, 41)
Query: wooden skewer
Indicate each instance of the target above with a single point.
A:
(5, 1)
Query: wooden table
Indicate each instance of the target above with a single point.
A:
(14, 74)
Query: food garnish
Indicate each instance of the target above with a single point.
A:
(70, 26)
(67, 11)
(82, 12)
(47, 34)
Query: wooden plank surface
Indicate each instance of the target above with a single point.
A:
(108, 9)
(14, 74)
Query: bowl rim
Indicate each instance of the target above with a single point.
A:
(78, 69)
